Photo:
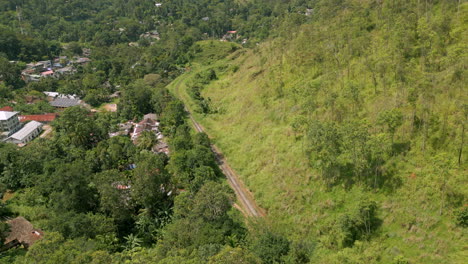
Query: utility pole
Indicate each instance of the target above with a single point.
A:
(18, 13)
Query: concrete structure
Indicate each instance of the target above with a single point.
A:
(9, 123)
(27, 133)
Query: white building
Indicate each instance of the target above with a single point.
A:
(9, 123)
(27, 133)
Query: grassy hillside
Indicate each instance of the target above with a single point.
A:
(367, 103)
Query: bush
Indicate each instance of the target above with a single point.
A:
(360, 224)
(271, 247)
(461, 217)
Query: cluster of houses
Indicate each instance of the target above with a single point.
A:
(151, 36)
(21, 129)
(150, 122)
(232, 35)
(57, 68)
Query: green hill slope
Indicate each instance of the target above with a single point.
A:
(367, 103)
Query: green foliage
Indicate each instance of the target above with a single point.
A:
(134, 101)
(199, 80)
(4, 230)
(147, 140)
(348, 152)
(392, 119)
(113, 153)
(271, 247)
(72, 225)
(75, 127)
(68, 188)
(151, 182)
(172, 117)
(356, 102)
(112, 200)
(193, 162)
(10, 73)
(369, 95)
(359, 225)
(229, 255)
(201, 222)
(461, 217)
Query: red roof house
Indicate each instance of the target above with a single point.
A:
(45, 118)
(7, 108)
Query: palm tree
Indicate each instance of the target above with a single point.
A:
(147, 140)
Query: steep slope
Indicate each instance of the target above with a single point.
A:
(365, 104)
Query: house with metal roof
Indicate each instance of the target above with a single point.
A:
(64, 102)
(9, 123)
(30, 131)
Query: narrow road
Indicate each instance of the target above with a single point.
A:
(245, 198)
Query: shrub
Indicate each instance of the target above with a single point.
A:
(461, 217)
(271, 247)
(360, 224)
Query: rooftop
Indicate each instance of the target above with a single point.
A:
(64, 102)
(51, 94)
(23, 231)
(7, 108)
(47, 73)
(41, 118)
(5, 115)
(26, 130)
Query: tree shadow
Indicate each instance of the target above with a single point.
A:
(401, 148)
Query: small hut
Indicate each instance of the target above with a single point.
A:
(22, 232)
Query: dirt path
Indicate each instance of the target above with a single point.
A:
(246, 202)
(47, 130)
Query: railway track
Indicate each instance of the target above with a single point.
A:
(247, 203)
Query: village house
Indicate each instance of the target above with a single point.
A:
(62, 101)
(123, 129)
(22, 233)
(9, 123)
(81, 61)
(64, 71)
(230, 35)
(162, 147)
(39, 66)
(151, 35)
(147, 124)
(150, 123)
(30, 131)
(7, 108)
(44, 118)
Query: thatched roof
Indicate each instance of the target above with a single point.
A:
(23, 231)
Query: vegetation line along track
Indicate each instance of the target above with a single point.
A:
(244, 197)
(247, 203)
